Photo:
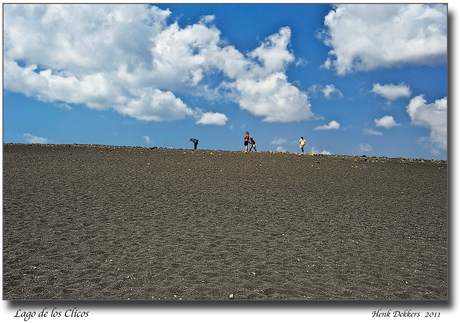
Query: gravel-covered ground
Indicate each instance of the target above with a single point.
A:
(108, 222)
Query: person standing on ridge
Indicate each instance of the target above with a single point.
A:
(253, 144)
(195, 142)
(302, 143)
(246, 141)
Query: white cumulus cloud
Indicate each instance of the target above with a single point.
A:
(279, 141)
(260, 84)
(271, 97)
(432, 116)
(386, 122)
(365, 147)
(371, 132)
(365, 37)
(329, 91)
(333, 125)
(392, 92)
(212, 118)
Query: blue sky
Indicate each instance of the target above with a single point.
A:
(360, 79)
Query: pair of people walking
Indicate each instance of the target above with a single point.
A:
(249, 141)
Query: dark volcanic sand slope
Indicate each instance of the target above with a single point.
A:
(89, 222)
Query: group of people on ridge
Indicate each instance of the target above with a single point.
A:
(250, 141)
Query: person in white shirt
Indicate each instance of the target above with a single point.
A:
(302, 143)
